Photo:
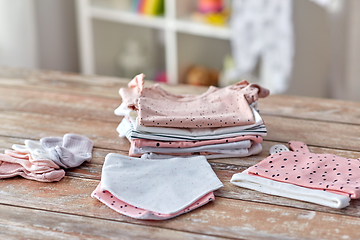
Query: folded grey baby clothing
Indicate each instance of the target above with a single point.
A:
(70, 151)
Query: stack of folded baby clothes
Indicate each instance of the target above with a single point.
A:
(42, 160)
(155, 189)
(219, 123)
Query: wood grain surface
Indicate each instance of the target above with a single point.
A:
(35, 104)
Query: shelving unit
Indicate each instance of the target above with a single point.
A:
(175, 21)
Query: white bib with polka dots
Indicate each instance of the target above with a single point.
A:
(164, 186)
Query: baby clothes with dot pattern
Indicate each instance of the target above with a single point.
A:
(152, 143)
(132, 211)
(165, 187)
(224, 107)
(325, 172)
(126, 129)
(197, 132)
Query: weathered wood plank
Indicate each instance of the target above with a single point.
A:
(64, 82)
(224, 217)
(35, 126)
(316, 133)
(23, 223)
(61, 82)
(60, 104)
(311, 108)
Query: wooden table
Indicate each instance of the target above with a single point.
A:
(35, 104)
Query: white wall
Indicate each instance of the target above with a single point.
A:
(310, 75)
(38, 34)
(18, 38)
(56, 29)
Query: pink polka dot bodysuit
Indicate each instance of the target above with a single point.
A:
(216, 107)
(326, 172)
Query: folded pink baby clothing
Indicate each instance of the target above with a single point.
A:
(36, 161)
(8, 170)
(300, 167)
(34, 168)
(224, 107)
(133, 92)
(132, 211)
(14, 163)
(28, 156)
(187, 144)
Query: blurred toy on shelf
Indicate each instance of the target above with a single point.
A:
(160, 77)
(148, 7)
(212, 12)
(198, 75)
(210, 6)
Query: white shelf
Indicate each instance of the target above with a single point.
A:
(169, 24)
(202, 29)
(183, 26)
(127, 17)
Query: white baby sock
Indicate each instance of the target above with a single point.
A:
(70, 151)
(34, 148)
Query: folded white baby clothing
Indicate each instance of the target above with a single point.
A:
(165, 187)
(288, 190)
(259, 131)
(124, 208)
(253, 150)
(34, 148)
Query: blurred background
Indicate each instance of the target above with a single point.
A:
(304, 47)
